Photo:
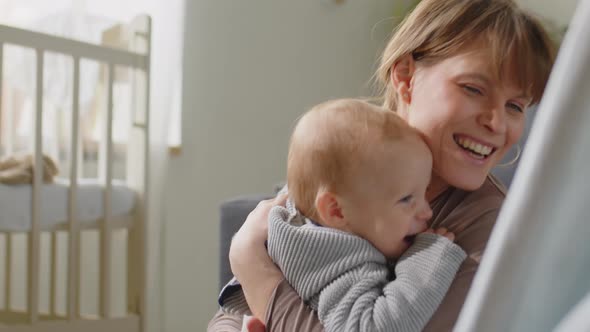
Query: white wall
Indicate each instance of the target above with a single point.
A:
(250, 68)
(559, 11)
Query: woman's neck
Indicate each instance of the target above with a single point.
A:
(436, 187)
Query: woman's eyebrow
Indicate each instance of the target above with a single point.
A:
(486, 80)
(523, 95)
(528, 99)
(477, 76)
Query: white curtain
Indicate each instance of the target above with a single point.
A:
(537, 264)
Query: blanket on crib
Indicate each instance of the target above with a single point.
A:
(19, 169)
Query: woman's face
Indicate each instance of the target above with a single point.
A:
(469, 119)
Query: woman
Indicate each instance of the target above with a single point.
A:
(463, 72)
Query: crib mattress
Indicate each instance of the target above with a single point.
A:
(15, 204)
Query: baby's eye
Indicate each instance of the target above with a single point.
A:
(406, 199)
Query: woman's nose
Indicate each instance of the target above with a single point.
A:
(494, 120)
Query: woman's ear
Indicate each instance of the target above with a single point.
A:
(402, 73)
(329, 209)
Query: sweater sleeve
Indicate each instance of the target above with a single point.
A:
(473, 240)
(363, 299)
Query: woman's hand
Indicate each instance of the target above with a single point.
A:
(255, 325)
(442, 232)
(254, 231)
(249, 259)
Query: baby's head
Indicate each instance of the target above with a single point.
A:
(359, 168)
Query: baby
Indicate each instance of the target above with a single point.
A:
(357, 177)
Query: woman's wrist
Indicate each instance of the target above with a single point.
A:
(256, 272)
(249, 260)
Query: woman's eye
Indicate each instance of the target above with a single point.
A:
(406, 199)
(472, 90)
(516, 107)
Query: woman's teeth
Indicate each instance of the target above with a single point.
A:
(480, 149)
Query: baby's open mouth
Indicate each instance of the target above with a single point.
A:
(475, 149)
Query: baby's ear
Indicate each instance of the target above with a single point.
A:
(329, 208)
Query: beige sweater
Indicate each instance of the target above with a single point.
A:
(470, 215)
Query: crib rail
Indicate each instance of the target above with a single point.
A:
(137, 59)
(74, 48)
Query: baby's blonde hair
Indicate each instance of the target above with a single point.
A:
(438, 29)
(332, 142)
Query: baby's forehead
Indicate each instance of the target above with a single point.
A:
(402, 162)
(390, 153)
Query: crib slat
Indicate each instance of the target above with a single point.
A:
(106, 231)
(73, 290)
(53, 278)
(34, 236)
(7, 112)
(143, 309)
(139, 160)
(8, 282)
(2, 110)
(8, 236)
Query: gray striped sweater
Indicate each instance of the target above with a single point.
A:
(349, 282)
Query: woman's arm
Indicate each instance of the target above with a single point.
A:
(287, 312)
(223, 322)
(250, 262)
(252, 266)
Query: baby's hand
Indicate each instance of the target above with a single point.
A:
(442, 232)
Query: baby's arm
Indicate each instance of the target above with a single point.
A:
(363, 299)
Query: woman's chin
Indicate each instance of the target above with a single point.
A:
(467, 182)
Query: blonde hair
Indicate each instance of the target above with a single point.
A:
(329, 146)
(438, 29)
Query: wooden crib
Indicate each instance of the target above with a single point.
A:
(38, 198)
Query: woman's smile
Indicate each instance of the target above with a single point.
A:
(475, 149)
